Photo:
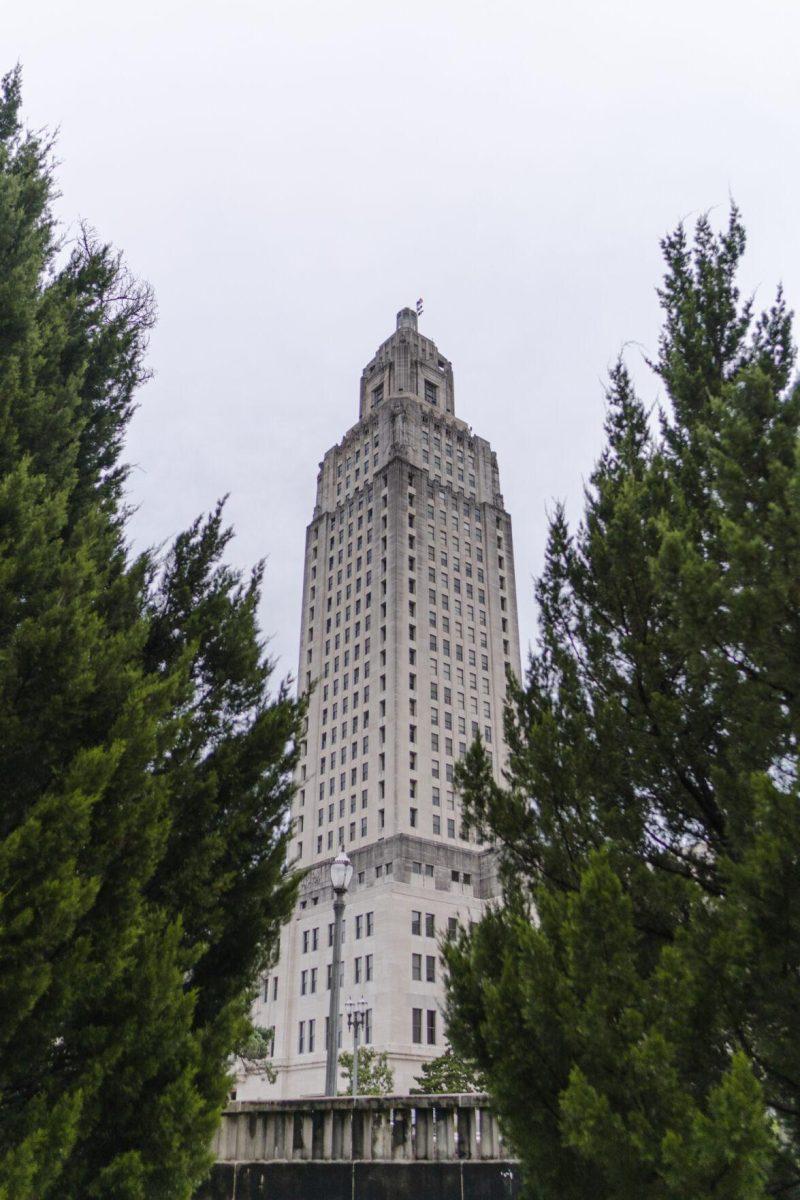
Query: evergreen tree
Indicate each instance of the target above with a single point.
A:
(634, 1002)
(145, 768)
(447, 1074)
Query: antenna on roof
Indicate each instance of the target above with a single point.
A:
(419, 307)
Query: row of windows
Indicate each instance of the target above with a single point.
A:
(457, 525)
(453, 541)
(443, 439)
(326, 762)
(458, 475)
(413, 818)
(436, 827)
(356, 464)
(307, 1033)
(352, 459)
(354, 778)
(365, 922)
(362, 973)
(340, 837)
(364, 927)
(462, 746)
(332, 808)
(446, 695)
(359, 470)
(355, 752)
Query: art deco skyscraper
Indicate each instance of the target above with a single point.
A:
(409, 625)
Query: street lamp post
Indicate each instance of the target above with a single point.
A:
(356, 1015)
(341, 874)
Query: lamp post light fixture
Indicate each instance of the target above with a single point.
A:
(341, 874)
(356, 1016)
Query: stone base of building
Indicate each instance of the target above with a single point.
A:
(362, 1181)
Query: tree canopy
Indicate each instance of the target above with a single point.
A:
(145, 766)
(446, 1075)
(375, 1076)
(634, 1000)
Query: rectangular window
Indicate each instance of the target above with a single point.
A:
(416, 966)
(311, 1032)
(430, 968)
(416, 922)
(370, 924)
(431, 1026)
(430, 925)
(430, 391)
(301, 1036)
(368, 968)
(416, 1026)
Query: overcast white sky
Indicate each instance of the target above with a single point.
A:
(289, 173)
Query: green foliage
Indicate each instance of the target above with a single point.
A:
(146, 770)
(254, 1053)
(446, 1075)
(375, 1076)
(634, 1001)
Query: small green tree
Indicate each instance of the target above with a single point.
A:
(448, 1074)
(375, 1076)
(253, 1056)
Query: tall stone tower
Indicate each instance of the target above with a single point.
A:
(408, 627)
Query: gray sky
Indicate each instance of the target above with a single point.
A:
(289, 173)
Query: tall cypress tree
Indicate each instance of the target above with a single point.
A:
(634, 1003)
(145, 768)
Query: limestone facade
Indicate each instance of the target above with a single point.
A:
(409, 627)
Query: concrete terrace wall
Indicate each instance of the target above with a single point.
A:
(373, 1148)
